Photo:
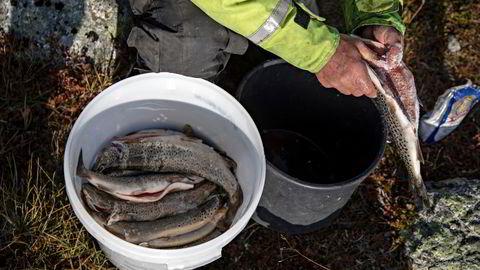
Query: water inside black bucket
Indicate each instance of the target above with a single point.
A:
(297, 156)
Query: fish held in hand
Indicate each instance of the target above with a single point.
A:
(140, 232)
(120, 210)
(398, 103)
(139, 188)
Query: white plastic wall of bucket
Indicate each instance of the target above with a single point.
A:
(165, 100)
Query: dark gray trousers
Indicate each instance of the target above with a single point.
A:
(176, 36)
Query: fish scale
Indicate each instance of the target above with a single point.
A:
(174, 153)
(398, 104)
(130, 187)
(190, 237)
(140, 232)
(171, 204)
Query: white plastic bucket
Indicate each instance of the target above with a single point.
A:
(165, 100)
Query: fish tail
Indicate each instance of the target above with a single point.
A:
(418, 188)
(221, 223)
(81, 170)
(422, 193)
(114, 217)
(98, 217)
(233, 207)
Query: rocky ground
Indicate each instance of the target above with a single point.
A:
(448, 235)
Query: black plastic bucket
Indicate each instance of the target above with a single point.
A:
(319, 144)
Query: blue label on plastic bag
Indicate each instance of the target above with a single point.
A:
(449, 111)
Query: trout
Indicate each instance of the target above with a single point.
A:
(140, 232)
(398, 103)
(190, 237)
(174, 153)
(120, 210)
(139, 188)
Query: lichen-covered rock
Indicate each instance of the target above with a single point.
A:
(69, 27)
(448, 235)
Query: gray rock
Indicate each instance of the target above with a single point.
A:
(453, 44)
(78, 27)
(448, 235)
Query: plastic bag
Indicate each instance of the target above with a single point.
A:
(449, 111)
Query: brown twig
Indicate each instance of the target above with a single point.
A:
(418, 10)
(299, 253)
(255, 227)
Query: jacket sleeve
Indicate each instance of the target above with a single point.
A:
(360, 13)
(307, 43)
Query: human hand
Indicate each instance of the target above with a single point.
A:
(386, 35)
(346, 71)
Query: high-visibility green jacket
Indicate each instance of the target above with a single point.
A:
(273, 25)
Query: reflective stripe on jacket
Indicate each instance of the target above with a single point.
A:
(292, 32)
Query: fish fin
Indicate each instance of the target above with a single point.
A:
(91, 206)
(143, 244)
(231, 164)
(222, 225)
(114, 217)
(425, 199)
(98, 217)
(194, 179)
(80, 166)
(422, 197)
(419, 153)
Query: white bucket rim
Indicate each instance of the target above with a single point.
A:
(125, 248)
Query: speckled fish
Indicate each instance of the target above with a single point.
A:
(174, 153)
(120, 210)
(140, 232)
(214, 234)
(398, 103)
(139, 188)
(187, 238)
(102, 157)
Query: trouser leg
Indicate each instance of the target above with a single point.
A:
(176, 36)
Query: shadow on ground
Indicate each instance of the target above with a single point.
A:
(42, 91)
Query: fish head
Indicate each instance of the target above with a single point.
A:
(398, 84)
(95, 199)
(110, 155)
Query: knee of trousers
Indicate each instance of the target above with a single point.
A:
(186, 42)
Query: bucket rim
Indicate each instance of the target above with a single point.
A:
(169, 256)
(296, 181)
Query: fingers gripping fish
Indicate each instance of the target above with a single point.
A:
(398, 103)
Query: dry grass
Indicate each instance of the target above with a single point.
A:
(41, 227)
(39, 103)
